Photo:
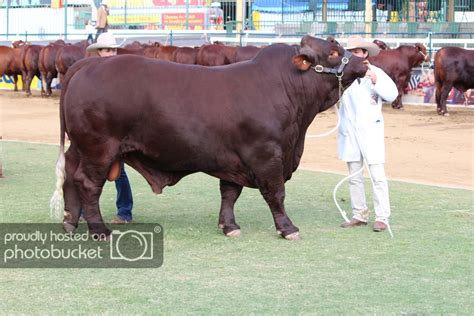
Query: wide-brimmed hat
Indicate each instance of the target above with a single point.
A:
(105, 40)
(359, 42)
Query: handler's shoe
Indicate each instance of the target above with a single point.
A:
(353, 223)
(120, 221)
(379, 227)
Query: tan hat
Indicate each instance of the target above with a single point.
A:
(359, 42)
(105, 40)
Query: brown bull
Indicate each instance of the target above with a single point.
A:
(68, 54)
(47, 65)
(216, 55)
(398, 63)
(246, 52)
(185, 55)
(11, 63)
(30, 66)
(453, 67)
(244, 124)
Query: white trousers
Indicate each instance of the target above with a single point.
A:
(360, 210)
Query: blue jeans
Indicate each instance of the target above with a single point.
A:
(124, 195)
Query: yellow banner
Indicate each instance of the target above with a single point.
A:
(7, 83)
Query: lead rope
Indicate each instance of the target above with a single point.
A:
(339, 78)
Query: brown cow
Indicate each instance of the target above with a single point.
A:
(397, 63)
(11, 63)
(47, 65)
(216, 55)
(30, 66)
(68, 54)
(244, 124)
(453, 67)
(165, 52)
(382, 45)
(185, 55)
(246, 52)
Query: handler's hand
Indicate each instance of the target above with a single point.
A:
(371, 75)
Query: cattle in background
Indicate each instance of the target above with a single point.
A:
(453, 67)
(216, 55)
(185, 55)
(244, 124)
(398, 63)
(68, 54)
(11, 62)
(246, 52)
(30, 65)
(47, 65)
(382, 45)
(165, 52)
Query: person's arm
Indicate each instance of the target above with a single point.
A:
(384, 85)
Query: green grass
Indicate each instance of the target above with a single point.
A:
(426, 269)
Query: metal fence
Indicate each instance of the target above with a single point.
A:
(43, 19)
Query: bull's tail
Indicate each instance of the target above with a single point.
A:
(56, 202)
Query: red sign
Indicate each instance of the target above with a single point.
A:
(177, 21)
(160, 3)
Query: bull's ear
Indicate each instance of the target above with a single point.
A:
(301, 62)
(334, 56)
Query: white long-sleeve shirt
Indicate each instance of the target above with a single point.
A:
(361, 113)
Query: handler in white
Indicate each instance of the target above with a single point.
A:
(361, 136)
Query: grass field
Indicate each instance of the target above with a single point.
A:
(426, 269)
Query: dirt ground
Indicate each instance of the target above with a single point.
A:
(421, 146)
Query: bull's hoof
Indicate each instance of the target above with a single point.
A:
(446, 114)
(293, 236)
(234, 233)
(221, 226)
(69, 228)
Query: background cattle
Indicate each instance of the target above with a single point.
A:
(398, 63)
(453, 67)
(67, 55)
(30, 65)
(216, 55)
(382, 45)
(11, 63)
(244, 124)
(47, 65)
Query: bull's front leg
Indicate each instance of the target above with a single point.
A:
(230, 192)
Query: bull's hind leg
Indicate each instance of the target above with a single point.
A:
(272, 187)
(230, 192)
(442, 92)
(72, 202)
(89, 180)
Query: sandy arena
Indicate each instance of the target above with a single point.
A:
(422, 147)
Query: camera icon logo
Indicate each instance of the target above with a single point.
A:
(131, 245)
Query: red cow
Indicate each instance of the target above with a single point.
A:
(185, 55)
(165, 52)
(216, 55)
(382, 45)
(246, 52)
(68, 54)
(397, 63)
(11, 63)
(244, 124)
(47, 65)
(453, 67)
(30, 66)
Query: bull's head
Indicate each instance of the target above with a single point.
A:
(421, 50)
(328, 57)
